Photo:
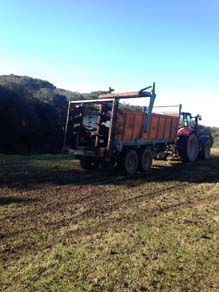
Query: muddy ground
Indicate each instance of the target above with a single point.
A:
(48, 205)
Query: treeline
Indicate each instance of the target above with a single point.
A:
(33, 114)
(215, 134)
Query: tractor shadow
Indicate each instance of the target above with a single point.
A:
(201, 171)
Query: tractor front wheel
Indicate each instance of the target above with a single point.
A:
(205, 152)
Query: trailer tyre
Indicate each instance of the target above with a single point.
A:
(145, 160)
(130, 162)
(188, 147)
(206, 150)
(88, 163)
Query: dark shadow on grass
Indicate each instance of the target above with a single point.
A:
(13, 200)
(201, 171)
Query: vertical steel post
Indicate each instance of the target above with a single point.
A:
(66, 124)
(99, 121)
(150, 108)
(115, 105)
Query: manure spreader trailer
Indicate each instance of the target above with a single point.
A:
(104, 132)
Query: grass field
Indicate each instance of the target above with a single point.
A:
(64, 229)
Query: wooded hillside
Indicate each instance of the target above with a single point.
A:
(33, 113)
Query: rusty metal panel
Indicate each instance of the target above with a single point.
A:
(130, 124)
(119, 95)
(139, 121)
(120, 125)
(175, 122)
(154, 126)
(167, 128)
(161, 127)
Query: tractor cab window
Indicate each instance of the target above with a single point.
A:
(193, 123)
(185, 120)
(188, 121)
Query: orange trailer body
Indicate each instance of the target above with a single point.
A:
(129, 125)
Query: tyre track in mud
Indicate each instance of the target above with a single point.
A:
(96, 207)
(99, 190)
(144, 214)
(99, 208)
(101, 228)
(100, 203)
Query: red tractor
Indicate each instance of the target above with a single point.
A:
(190, 144)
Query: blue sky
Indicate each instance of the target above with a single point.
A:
(86, 45)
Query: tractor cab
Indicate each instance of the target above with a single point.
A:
(189, 121)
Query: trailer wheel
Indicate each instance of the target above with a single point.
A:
(88, 163)
(145, 160)
(130, 162)
(205, 152)
(188, 147)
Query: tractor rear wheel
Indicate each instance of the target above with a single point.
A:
(205, 152)
(145, 160)
(130, 162)
(188, 147)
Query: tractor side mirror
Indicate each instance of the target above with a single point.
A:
(199, 117)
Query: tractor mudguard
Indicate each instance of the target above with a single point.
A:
(185, 131)
(203, 138)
